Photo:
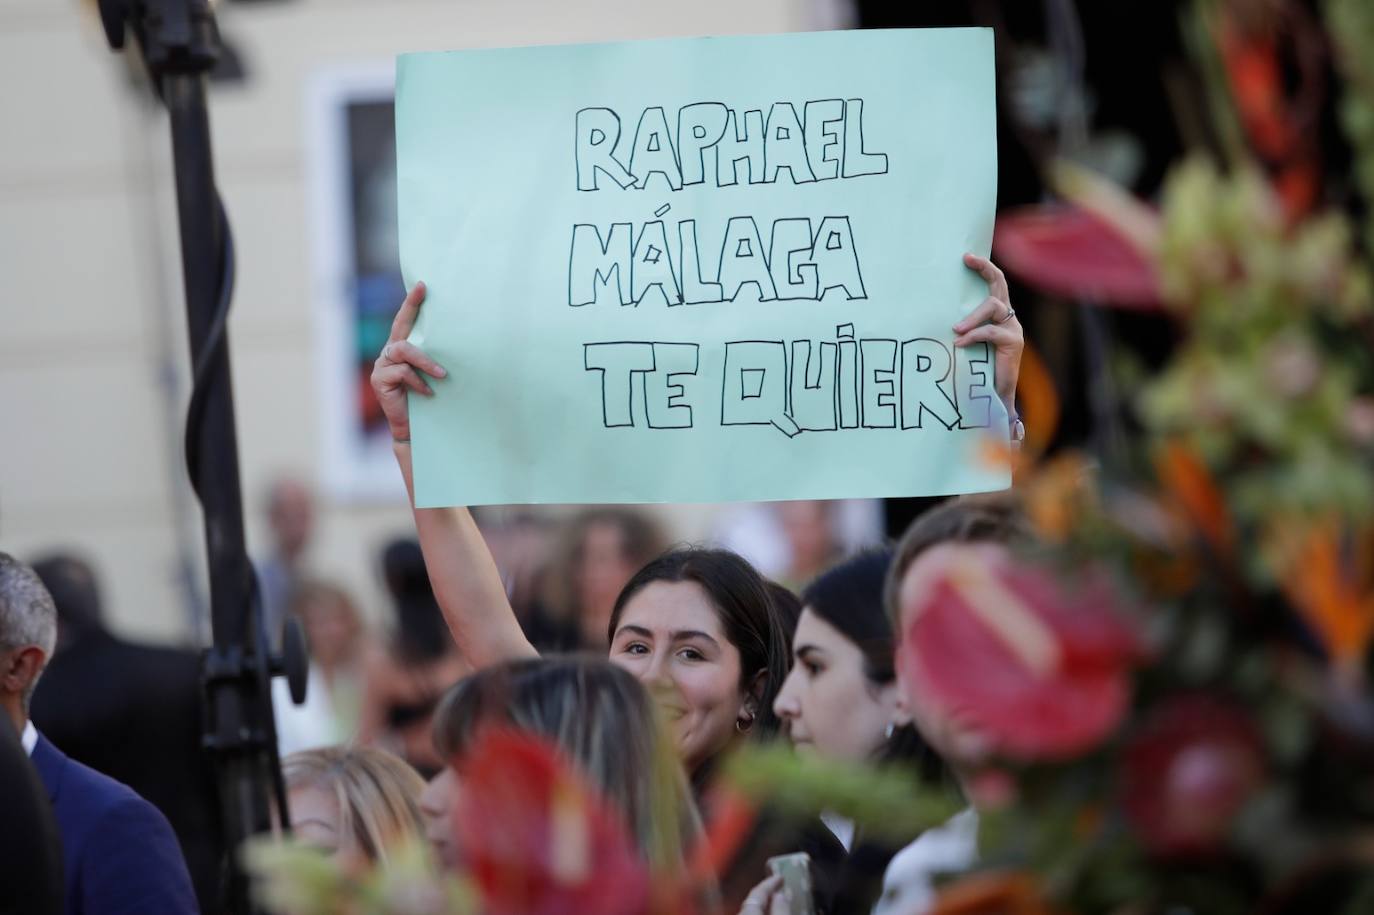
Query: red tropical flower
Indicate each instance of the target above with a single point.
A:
(1036, 668)
(537, 839)
(1075, 253)
(1188, 771)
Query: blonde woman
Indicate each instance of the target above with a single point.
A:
(355, 803)
(605, 722)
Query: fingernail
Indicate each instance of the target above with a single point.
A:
(440, 372)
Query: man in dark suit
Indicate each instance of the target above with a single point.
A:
(132, 712)
(119, 854)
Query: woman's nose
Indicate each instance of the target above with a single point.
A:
(785, 705)
(653, 670)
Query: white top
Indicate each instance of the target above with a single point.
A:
(29, 739)
(841, 827)
(909, 884)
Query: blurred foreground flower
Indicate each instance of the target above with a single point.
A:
(1038, 669)
(994, 893)
(1334, 596)
(537, 839)
(1188, 771)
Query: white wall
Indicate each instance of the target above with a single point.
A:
(92, 343)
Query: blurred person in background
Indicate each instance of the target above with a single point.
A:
(606, 724)
(597, 553)
(338, 646)
(119, 854)
(521, 543)
(404, 680)
(291, 523)
(337, 639)
(356, 804)
(983, 530)
(132, 712)
(808, 528)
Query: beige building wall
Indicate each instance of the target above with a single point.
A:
(93, 355)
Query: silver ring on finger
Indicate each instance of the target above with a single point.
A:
(386, 353)
(1011, 313)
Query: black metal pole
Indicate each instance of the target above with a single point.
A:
(179, 44)
(235, 730)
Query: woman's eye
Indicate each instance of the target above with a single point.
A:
(812, 668)
(636, 648)
(691, 654)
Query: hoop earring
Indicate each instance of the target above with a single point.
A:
(743, 725)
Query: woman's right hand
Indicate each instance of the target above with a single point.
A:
(397, 369)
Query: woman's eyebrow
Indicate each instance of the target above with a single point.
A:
(635, 630)
(682, 635)
(802, 652)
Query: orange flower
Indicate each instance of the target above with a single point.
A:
(996, 893)
(1055, 494)
(1331, 597)
(1190, 486)
(1037, 402)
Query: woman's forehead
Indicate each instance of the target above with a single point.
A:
(814, 629)
(664, 607)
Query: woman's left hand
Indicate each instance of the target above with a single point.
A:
(994, 322)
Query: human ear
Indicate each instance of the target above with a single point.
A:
(752, 699)
(22, 667)
(892, 698)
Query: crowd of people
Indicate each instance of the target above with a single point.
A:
(645, 665)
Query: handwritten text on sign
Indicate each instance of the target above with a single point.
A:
(715, 260)
(852, 383)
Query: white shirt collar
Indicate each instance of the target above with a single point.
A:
(29, 738)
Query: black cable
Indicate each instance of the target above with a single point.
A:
(211, 350)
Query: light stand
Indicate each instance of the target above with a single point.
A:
(179, 43)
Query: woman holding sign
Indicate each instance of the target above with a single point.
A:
(697, 626)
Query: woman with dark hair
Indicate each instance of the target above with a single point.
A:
(700, 628)
(840, 698)
(841, 701)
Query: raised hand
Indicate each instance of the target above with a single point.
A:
(397, 370)
(994, 322)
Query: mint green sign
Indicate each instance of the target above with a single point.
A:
(701, 270)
